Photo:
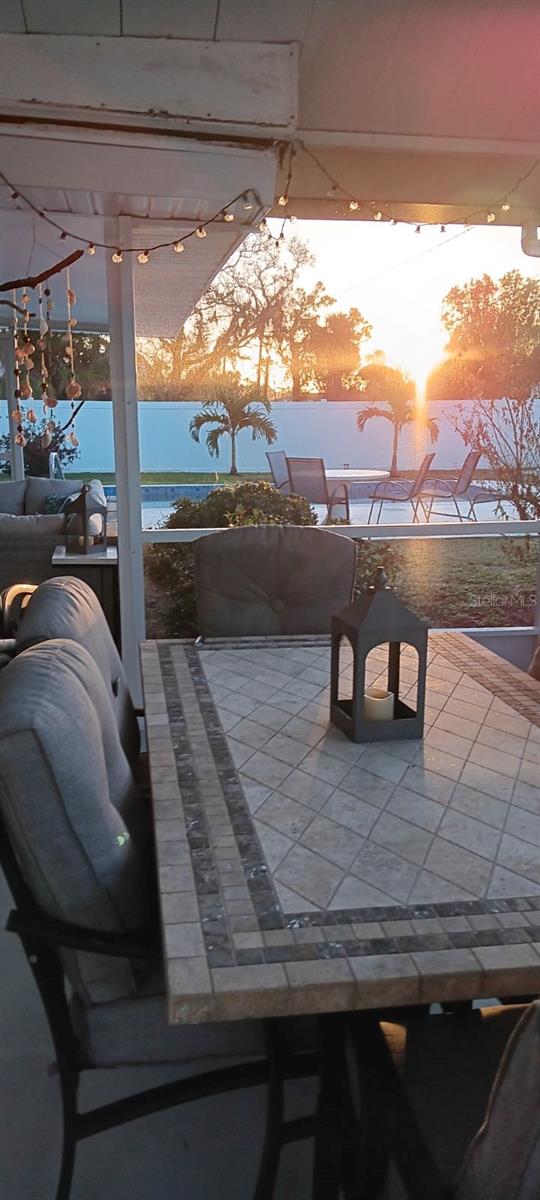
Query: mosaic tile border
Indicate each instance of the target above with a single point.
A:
(321, 934)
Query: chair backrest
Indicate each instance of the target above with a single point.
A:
(308, 478)
(27, 545)
(465, 476)
(422, 474)
(73, 817)
(272, 579)
(277, 461)
(68, 608)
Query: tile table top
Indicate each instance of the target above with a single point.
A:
(301, 872)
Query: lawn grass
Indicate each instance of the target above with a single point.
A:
(172, 476)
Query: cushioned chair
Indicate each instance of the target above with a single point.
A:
(272, 579)
(66, 607)
(75, 849)
(466, 1125)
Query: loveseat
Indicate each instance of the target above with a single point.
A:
(37, 513)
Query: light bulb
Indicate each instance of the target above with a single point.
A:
(178, 247)
(228, 216)
(293, 220)
(143, 257)
(353, 205)
(200, 232)
(377, 215)
(283, 201)
(505, 207)
(90, 249)
(117, 256)
(491, 217)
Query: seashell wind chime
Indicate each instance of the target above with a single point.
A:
(24, 363)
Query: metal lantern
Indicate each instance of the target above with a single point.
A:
(378, 618)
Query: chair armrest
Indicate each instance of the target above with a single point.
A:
(75, 937)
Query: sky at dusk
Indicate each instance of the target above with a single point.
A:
(398, 278)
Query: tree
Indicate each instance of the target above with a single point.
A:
(335, 351)
(494, 359)
(230, 409)
(390, 386)
(36, 457)
(493, 348)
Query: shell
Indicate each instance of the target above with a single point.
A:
(17, 415)
(20, 353)
(46, 440)
(71, 296)
(26, 391)
(20, 439)
(73, 390)
(31, 416)
(73, 438)
(51, 401)
(72, 322)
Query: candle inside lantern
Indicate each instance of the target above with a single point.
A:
(378, 704)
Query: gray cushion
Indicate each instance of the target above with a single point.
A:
(272, 579)
(19, 529)
(37, 490)
(12, 497)
(136, 1030)
(68, 608)
(70, 805)
(503, 1161)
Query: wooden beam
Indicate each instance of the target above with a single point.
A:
(248, 83)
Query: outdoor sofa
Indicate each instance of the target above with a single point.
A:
(36, 514)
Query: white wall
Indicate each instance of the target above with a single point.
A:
(309, 428)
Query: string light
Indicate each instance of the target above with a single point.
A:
(143, 257)
(491, 217)
(377, 215)
(353, 206)
(249, 197)
(117, 257)
(283, 201)
(178, 247)
(505, 207)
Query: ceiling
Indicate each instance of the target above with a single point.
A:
(428, 109)
(459, 69)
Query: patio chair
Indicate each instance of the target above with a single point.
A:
(75, 851)
(395, 491)
(277, 461)
(452, 489)
(464, 1123)
(307, 478)
(66, 607)
(272, 579)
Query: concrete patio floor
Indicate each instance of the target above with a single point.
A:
(205, 1151)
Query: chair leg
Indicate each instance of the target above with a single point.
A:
(273, 1134)
(370, 514)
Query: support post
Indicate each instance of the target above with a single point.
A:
(126, 448)
(15, 452)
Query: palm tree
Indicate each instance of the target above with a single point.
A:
(230, 409)
(392, 387)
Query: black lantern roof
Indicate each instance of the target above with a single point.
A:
(379, 609)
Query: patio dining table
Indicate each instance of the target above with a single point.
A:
(300, 872)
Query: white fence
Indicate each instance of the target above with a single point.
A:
(310, 428)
